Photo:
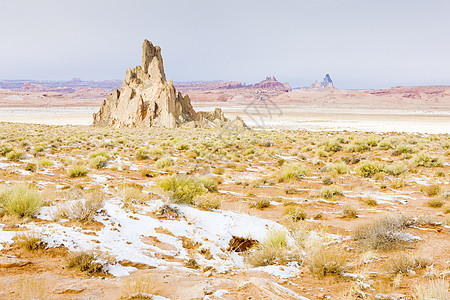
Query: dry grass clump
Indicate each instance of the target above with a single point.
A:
(330, 191)
(370, 201)
(209, 183)
(382, 233)
(272, 250)
(433, 290)
(385, 145)
(396, 169)
(31, 287)
(208, 201)
(15, 155)
(132, 194)
(164, 162)
(292, 171)
(398, 183)
(349, 211)
(261, 203)
(20, 201)
(339, 167)
(436, 202)
(142, 154)
(83, 211)
(431, 190)
(98, 162)
(30, 241)
(326, 261)
(182, 189)
(426, 160)
(45, 162)
(294, 213)
(86, 262)
(403, 263)
(369, 168)
(140, 287)
(77, 170)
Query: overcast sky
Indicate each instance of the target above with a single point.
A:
(361, 43)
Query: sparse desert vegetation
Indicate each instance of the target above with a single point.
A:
(331, 207)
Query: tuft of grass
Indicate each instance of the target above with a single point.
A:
(433, 290)
(30, 241)
(369, 169)
(140, 287)
(142, 154)
(98, 162)
(401, 263)
(164, 162)
(370, 201)
(326, 261)
(29, 287)
(83, 211)
(209, 183)
(294, 213)
(261, 203)
(15, 155)
(132, 194)
(99, 152)
(330, 191)
(426, 160)
(293, 171)
(339, 167)
(272, 250)
(436, 203)
(431, 190)
(77, 170)
(382, 233)
(349, 211)
(182, 189)
(208, 201)
(396, 169)
(45, 162)
(86, 262)
(20, 201)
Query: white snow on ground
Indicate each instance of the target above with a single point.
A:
(123, 235)
(279, 271)
(6, 237)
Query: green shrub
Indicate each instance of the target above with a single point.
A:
(404, 149)
(182, 189)
(45, 163)
(369, 168)
(426, 160)
(164, 162)
(20, 201)
(99, 152)
(5, 149)
(385, 145)
(293, 171)
(182, 146)
(333, 145)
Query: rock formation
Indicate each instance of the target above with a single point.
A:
(326, 84)
(147, 99)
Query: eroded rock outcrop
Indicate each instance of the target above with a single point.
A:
(147, 99)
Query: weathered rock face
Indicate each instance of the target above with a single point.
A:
(147, 99)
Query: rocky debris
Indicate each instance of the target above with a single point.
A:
(12, 262)
(147, 99)
(272, 290)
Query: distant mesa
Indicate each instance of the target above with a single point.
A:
(271, 83)
(147, 99)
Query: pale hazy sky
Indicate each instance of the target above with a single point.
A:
(361, 43)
